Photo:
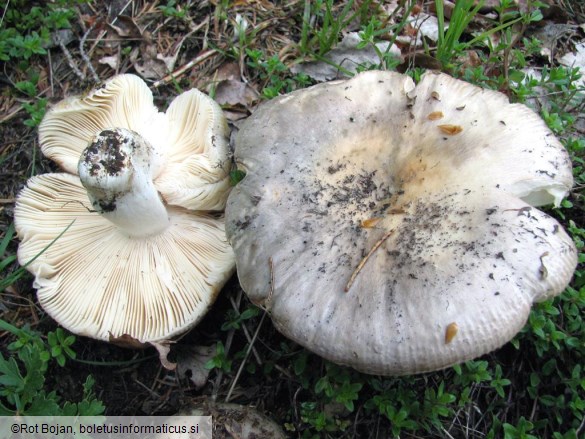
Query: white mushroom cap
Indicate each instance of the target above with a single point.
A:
(97, 281)
(387, 226)
(191, 137)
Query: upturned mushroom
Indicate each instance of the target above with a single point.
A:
(129, 243)
(393, 227)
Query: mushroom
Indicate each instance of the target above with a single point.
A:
(190, 137)
(392, 227)
(125, 245)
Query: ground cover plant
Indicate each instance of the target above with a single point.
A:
(243, 53)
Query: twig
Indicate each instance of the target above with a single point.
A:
(84, 56)
(148, 389)
(365, 259)
(295, 402)
(4, 12)
(534, 407)
(70, 61)
(581, 428)
(10, 115)
(103, 32)
(246, 332)
(268, 301)
(254, 351)
(51, 82)
(174, 75)
(250, 346)
(228, 344)
(447, 433)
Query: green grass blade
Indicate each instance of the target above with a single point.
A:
(440, 22)
(5, 326)
(7, 238)
(6, 262)
(305, 28)
(6, 282)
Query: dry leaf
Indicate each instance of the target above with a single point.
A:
(345, 55)
(126, 27)
(370, 223)
(451, 332)
(234, 92)
(151, 63)
(423, 25)
(126, 341)
(146, 62)
(192, 363)
(435, 115)
(113, 61)
(450, 129)
(576, 59)
(163, 347)
(60, 37)
(551, 36)
(228, 70)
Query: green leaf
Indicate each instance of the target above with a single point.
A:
(90, 408)
(323, 385)
(56, 351)
(35, 369)
(69, 409)
(43, 405)
(300, 364)
(69, 340)
(236, 176)
(10, 374)
(70, 352)
(4, 411)
(249, 313)
(52, 338)
(45, 356)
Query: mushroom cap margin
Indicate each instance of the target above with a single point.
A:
(93, 280)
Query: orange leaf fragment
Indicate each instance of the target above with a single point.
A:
(435, 115)
(451, 130)
(451, 332)
(369, 223)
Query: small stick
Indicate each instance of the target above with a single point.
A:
(228, 344)
(84, 56)
(365, 259)
(51, 73)
(245, 329)
(202, 57)
(70, 61)
(239, 372)
(271, 292)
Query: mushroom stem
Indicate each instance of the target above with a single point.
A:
(117, 171)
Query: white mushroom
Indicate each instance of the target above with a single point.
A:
(390, 227)
(190, 137)
(138, 254)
